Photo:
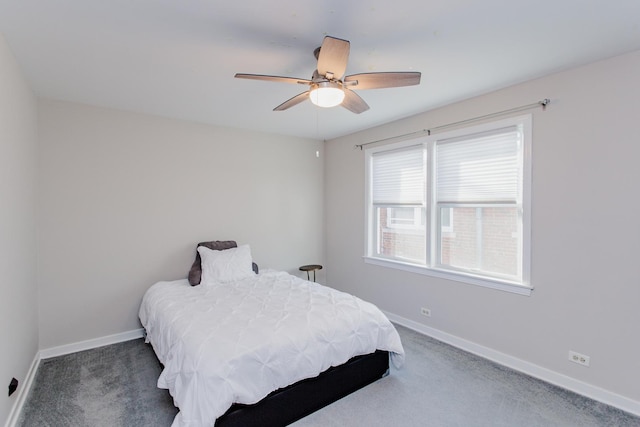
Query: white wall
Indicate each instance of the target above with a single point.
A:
(125, 198)
(18, 178)
(585, 224)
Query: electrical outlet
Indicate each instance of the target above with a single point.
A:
(425, 312)
(13, 386)
(578, 358)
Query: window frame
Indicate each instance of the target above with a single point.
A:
(434, 229)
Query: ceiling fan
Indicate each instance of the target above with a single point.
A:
(328, 89)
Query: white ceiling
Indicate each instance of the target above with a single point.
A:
(177, 58)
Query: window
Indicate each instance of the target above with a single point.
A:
(398, 202)
(446, 220)
(454, 205)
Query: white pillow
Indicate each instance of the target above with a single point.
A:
(225, 266)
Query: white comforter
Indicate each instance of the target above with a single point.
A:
(237, 342)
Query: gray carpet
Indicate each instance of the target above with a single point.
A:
(438, 386)
(108, 386)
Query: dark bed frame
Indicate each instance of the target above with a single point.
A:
(287, 405)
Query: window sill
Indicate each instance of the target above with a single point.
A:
(458, 277)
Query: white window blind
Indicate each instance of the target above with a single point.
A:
(480, 168)
(399, 177)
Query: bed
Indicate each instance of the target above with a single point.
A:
(266, 348)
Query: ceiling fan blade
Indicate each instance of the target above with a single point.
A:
(293, 101)
(353, 102)
(382, 80)
(333, 57)
(272, 78)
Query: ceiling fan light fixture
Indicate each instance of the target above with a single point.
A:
(326, 94)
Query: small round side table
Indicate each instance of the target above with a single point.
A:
(311, 267)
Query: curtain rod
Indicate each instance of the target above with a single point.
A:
(542, 104)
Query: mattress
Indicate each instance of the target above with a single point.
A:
(227, 343)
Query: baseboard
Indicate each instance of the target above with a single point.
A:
(544, 374)
(23, 391)
(92, 343)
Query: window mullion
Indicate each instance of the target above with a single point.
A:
(430, 186)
